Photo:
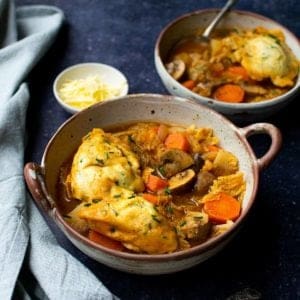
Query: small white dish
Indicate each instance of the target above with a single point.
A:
(109, 75)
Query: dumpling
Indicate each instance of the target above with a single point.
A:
(265, 57)
(101, 162)
(130, 219)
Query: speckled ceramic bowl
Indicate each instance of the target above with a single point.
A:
(187, 24)
(42, 179)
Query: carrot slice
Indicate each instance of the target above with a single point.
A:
(238, 71)
(104, 241)
(189, 84)
(151, 198)
(229, 93)
(155, 183)
(177, 140)
(222, 208)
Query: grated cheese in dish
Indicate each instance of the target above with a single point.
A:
(81, 93)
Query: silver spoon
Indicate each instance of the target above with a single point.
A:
(177, 68)
(204, 37)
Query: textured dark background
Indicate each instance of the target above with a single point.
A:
(263, 261)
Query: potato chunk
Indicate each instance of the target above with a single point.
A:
(225, 163)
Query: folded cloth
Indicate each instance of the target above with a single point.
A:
(26, 243)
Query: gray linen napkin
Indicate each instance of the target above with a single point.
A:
(25, 240)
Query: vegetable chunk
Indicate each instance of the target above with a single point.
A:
(229, 93)
(177, 140)
(222, 208)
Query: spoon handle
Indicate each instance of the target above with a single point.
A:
(218, 17)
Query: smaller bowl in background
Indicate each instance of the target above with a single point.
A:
(109, 76)
(185, 26)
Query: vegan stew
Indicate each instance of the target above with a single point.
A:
(151, 187)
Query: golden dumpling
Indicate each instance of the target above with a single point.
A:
(130, 219)
(266, 57)
(102, 161)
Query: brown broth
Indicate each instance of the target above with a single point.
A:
(65, 203)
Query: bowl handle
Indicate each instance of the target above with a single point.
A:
(276, 141)
(34, 177)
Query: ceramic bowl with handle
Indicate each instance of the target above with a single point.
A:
(42, 178)
(184, 26)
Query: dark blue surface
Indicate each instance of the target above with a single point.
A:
(264, 260)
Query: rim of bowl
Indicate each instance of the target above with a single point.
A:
(72, 109)
(198, 249)
(207, 100)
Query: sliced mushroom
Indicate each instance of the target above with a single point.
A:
(203, 183)
(173, 161)
(176, 68)
(198, 162)
(182, 181)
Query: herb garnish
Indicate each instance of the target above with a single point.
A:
(115, 212)
(96, 200)
(182, 223)
(100, 161)
(277, 41)
(130, 139)
(169, 209)
(155, 218)
(167, 191)
(162, 170)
